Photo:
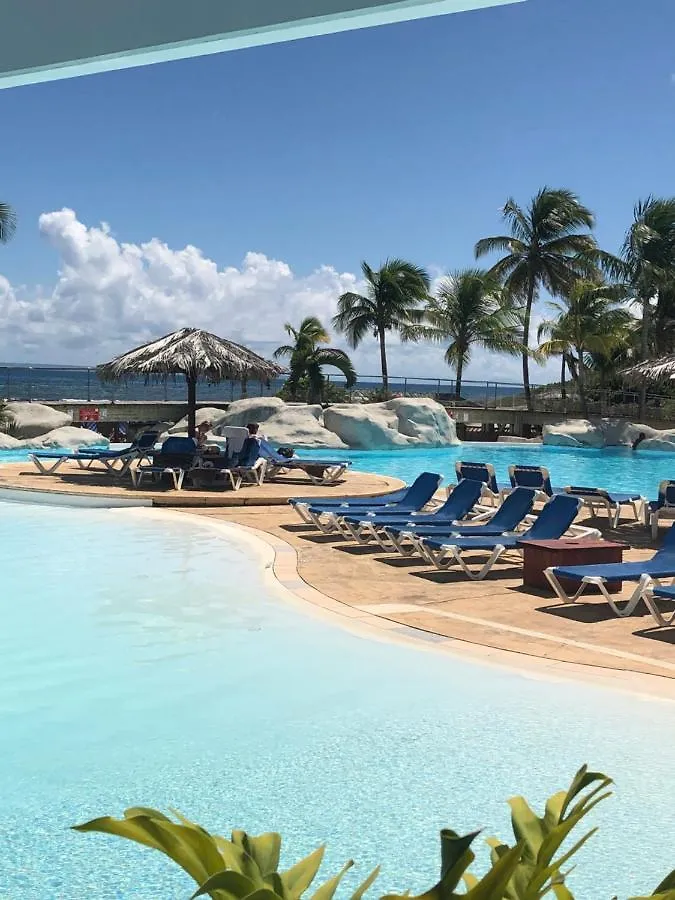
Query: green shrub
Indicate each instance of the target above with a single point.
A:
(535, 866)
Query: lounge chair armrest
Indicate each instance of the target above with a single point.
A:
(584, 532)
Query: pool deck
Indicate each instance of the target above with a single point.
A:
(496, 613)
(408, 598)
(71, 479)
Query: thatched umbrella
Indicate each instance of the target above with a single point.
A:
(196, 354)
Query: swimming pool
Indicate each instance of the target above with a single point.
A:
(614, 468)
(148, 661)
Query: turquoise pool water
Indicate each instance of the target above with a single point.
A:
(618, 469)
(145, 661)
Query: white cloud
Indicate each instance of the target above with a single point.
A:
(110, 296)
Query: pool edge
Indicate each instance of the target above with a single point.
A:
(280, 565)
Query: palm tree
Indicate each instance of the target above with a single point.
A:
(392, 302)
(307, 358)
(7, 222)
(543, 250)
(648, 265)
(470, 308)
(589, 319)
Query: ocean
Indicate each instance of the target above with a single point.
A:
(55, 383)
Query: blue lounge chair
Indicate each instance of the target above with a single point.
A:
(302, 504)
(513, 511)
(176, 456)
(650, 596)
(117, 462)
(459, 504)
(551, 523)
(535, 477)
(597, 498)
(645, 573)
(662, 507)
(249, 464)
(483, 472)
(326, 517)
(319, 471)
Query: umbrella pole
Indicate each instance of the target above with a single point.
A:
(192, 406)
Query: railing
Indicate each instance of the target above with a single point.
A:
(81, 384)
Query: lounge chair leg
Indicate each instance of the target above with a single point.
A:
(552, 579)
(633, 601)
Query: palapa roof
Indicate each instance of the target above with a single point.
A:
(662, 369)
(191, 352)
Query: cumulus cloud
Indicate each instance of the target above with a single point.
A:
(110, 296)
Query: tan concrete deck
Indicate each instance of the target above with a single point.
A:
(496, 613)
(70, 479)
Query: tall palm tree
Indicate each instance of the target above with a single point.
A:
(307, 357)
(471, 308)
(7, 222)
(544, 249)
(648, 265)
(392, 302)
(590, 319)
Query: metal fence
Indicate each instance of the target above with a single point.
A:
(81, 384)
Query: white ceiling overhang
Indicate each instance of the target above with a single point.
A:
(43, 40)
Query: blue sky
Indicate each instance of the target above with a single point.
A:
(401, 140)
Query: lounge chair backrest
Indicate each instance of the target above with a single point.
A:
(536, 477)
(474, 471)
(668, 544)
(514, 509)
(145, 441)
(250, 453)
(588, 492)
(420, 491)
(236, 436)
(176, 451)
(462, 499)
(554, 519)
(666, 496)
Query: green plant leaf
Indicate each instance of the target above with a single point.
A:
(299, 877)
(326, 891)
(668, 895)
(456, 857)
(274, 881)
(264, 850)
(668, 883)
(366, 884)
(562, 892)
(493, 885)
(233, 884)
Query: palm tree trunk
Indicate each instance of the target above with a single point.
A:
(581, 384)
(526, 343)
(383, 361)
(563, 387)
(644, 350)
(458, 381)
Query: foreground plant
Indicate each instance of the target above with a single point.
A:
(248, 867)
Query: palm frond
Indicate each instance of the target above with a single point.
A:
(7, 222)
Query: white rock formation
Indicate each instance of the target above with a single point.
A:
(606, 433)
(7, 442)
(205, 414)
(68, 437)
(397, 423)
(29, 420)
(282, 423)
(514, 439)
